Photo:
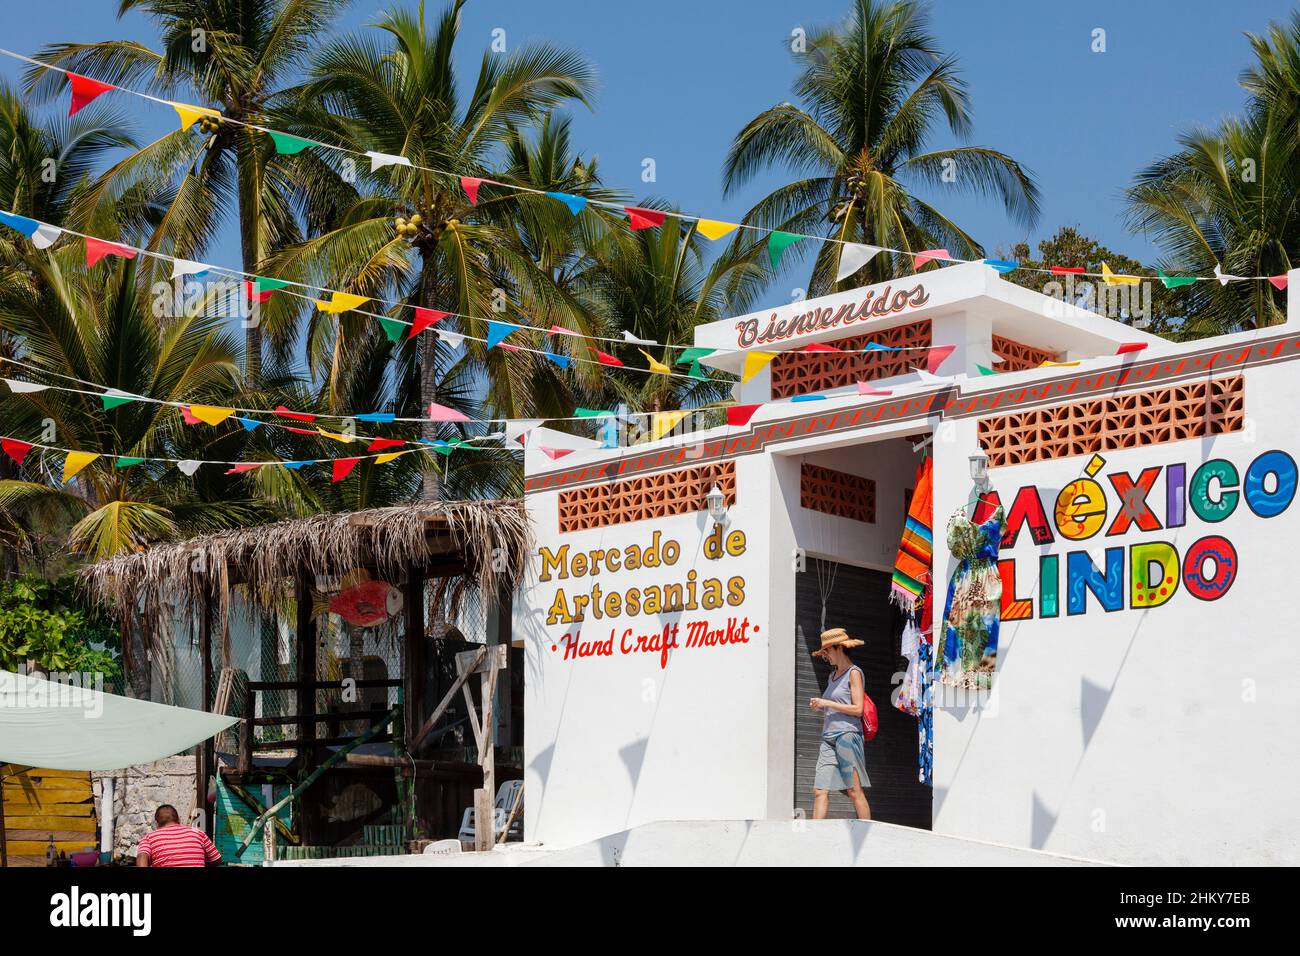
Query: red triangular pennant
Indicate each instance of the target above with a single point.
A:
(935, 356)
(604, 358)
(554, 453)
(471, 184)
(425, 318)
(818, 347)
(379, 444)
(643, 218)
(343, 467)
(84, 90)
(741, 414)
(296, 416)
(15, 449)
(1066, 270)
(1278, 281)
(254, 295)
(97, 249)
(1128, 347)
(241, 468)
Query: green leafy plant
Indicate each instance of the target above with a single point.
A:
(44, 623)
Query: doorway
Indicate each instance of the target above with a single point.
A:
(857, 599)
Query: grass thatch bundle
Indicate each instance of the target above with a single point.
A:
(490, 538)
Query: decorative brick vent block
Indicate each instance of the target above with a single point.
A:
(837, 493)
(641, 499)
(805, 373)
(1017, 356)
(1176, 413)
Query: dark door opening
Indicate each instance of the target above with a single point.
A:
(859, 602)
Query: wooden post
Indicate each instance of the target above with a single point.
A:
(246, 732)
(484, 818)
(206, 756)
(305, 640)
(415, 661)
(4, 838)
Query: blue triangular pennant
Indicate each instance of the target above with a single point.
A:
(576, 204)
(561, 360)
(250, 424)
(497, 331)
(376, 417)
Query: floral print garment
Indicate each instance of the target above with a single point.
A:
(974, 607)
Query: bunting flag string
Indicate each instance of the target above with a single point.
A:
(84, 90)
(261, 288)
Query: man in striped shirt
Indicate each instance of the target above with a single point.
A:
(173, 844)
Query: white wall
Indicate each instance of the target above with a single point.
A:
(1165, 735)
(612, 742)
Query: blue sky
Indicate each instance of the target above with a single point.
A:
(678, 78)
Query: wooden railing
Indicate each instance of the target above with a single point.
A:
(306, 719)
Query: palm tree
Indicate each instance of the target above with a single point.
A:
(1230, 196)
(97, 326)
(238, 56)
(874, 92)
(659, 287)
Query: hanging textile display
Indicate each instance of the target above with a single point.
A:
(925, 678)
(968, 639)
(908, 699)
(912, 566)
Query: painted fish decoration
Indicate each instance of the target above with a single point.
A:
(367, 604)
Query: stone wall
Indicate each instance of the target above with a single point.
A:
(137, 793)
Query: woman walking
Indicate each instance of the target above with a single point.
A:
(841, 762)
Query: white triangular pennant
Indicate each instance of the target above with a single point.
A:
(187, 267)
(518, 429)
(23, 388)
(454, 339)
(629, 337)
(853, 257)
(189, 466)
(1224, 277)
(380, 160)
(46, 236)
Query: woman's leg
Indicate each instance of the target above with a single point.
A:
(821, 800)
(859, 798)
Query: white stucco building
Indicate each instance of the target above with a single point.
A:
(1141, 709)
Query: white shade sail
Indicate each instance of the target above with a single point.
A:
(64, 726)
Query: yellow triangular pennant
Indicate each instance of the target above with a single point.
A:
(664, 422)
(655, 364)
(391, 456)
(342, 302)
(76, 461)
(190, 114)
(1058, 364)
(211, 413)
(712, 229)
(755, 362)
(345, 439)
(1110, 278)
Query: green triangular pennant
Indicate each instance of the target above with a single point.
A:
(124, 461)
(777, 243)
(693, 355)
(696, 371)
(590, 413)
(393, 329)
(985, 371)
(113, 401)
(1173, 282)
(263, 284)
(287, 145)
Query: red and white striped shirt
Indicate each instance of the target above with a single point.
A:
(177, 845)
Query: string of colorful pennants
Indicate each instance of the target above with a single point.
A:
(853, 255)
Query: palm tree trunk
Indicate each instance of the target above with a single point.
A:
(250, 239)
(428, 345)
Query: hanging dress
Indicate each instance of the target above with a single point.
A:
(967, 644)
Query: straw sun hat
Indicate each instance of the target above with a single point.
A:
(836, 637)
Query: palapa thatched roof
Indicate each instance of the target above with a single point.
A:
(490, 538)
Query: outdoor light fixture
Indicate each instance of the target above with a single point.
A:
(979, 470)
(717, 503)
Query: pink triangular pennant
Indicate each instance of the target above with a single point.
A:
(441, 413)
(471, 184)
(243, 467)
(555, 453)
(866, 388)
(928, 255)
(1278, 281)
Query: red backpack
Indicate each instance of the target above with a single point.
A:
(870, 719)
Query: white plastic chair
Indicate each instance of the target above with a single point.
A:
(501, 807)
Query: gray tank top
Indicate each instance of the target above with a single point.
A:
(840, 690)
